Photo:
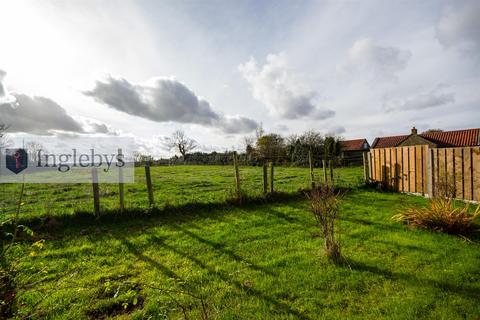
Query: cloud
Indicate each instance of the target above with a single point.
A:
(5, 97)
(165, 99)
(280, 90)
(37, 115)
(40, 115)
(377, 63)
(335, 131)
(459, 26)
(434, 98)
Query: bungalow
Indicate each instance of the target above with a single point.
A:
(351, 151)
(434, 139)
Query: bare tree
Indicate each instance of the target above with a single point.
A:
(259, 131)
(180, 142)
(141, 158)
(4, 140)
(33, 149)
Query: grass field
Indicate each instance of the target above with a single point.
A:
(194, 255)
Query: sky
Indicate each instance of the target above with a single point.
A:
(218, 69)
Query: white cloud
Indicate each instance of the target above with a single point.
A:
(5, 97)
(459, 26)
(282, 91)
(41, 115)
(37, 115)
(374, 62)
(434, 98)
(165, 99)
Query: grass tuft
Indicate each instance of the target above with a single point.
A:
(441, 215)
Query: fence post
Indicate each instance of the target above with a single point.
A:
(120, 183)
(310, 162)
(365, 167)
(324, 165)
(330, 163)
(237, 174)
(96, 192)
(271, 177)
(265, 177)
(149, 183)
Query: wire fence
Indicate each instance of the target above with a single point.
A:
(171, 186)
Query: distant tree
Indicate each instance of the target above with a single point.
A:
(139, 158)
(312, 139)
(259, 131)
(331, 147)
(4, 140)
(180, 142)
(248, 143)
(271, 147)
(298, 147)
(32, 149)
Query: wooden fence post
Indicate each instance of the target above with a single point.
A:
(324, 165)
(120, 184)
(96, 192)
(310, 162)
(271, 177)
(330, 163)
(265, 177)
(237, 174)
(149, 184)
(365, 167)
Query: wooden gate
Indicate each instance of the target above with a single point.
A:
(419, 169)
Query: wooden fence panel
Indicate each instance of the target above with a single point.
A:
(442, 165)
(419, 169)
(406, 169)
(459, 174)
(411, 172)
(450, 176)
(476, 173)
(426, 175)
(467, 174)
(394, 168)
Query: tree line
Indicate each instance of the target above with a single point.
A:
(272, 147)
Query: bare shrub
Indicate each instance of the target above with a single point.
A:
(324, 204)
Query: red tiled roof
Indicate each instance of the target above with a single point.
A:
(353, 145)
(457, 138)
(388, 142)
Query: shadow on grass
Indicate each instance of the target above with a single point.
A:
(54, 226)
(222, 275)
(462, 290)
(222, 249)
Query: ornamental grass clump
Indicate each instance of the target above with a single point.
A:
(441, 215)
(325, 204)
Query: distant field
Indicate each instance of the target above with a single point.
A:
(176, 185)
(257, 261)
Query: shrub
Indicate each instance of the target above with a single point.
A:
(441, 215)
(324, 204)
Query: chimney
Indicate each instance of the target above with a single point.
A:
(414, 130)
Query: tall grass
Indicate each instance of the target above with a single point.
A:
(441, 215)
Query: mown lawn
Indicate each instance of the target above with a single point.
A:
(261, 261)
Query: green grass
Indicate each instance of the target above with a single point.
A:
(173, 186)
(257, 261)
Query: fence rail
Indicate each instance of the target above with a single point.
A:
(420, 169)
